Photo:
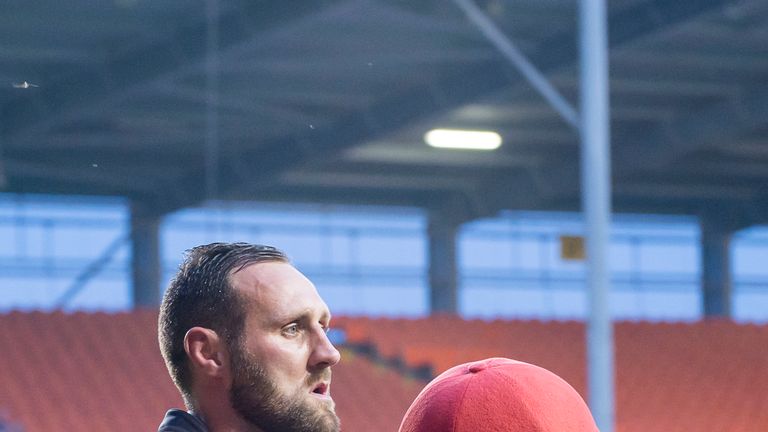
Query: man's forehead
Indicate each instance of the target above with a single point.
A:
(264, 272)
(278, 286)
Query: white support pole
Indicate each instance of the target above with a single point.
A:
(596, 204)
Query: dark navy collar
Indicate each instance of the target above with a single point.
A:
(177, 420)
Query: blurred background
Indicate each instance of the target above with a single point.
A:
(131, 131)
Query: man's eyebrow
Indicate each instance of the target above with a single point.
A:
(293, 317)
(305, 315)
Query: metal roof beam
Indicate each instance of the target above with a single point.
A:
(505, 46)
(94, 179)
(456, 87)
(126, 72)
(693, 131)
(373, 122)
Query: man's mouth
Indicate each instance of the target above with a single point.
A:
(321, 390)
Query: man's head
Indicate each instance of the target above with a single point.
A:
(243, 335)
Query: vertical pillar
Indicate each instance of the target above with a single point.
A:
(596, 203)
(716, 280)
(146, 268)
(443, 268)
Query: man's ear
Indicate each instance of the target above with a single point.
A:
(206, 351)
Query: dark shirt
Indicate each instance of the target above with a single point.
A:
(177, 420)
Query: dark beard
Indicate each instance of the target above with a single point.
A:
(256, 398)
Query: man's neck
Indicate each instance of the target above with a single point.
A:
(223, 419)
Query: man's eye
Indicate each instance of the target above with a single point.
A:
(291, 330)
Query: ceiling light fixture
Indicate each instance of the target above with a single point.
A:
(463, 139)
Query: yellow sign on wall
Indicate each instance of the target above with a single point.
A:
(572, 248)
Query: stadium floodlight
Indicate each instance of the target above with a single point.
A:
(463, 139)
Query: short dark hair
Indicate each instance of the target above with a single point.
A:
(201, 295)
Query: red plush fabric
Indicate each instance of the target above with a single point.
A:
(498, 394)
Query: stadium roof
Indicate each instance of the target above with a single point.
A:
(329, 100)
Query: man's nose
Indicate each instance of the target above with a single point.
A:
(324, 353)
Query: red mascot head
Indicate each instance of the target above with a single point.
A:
(499, 395)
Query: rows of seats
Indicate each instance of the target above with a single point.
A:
(703, 376)
(444, 341)
(369, 396)
(103, 372)
(73, 372)
(83, 372)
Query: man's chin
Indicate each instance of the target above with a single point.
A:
(332, 421)
(326, 407)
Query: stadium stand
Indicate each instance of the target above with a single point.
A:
(103, 372)
(707, 376)
(98, 371)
